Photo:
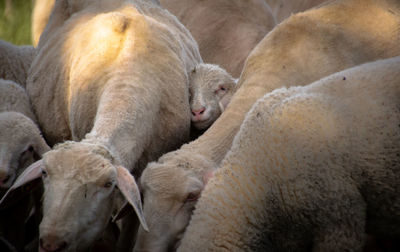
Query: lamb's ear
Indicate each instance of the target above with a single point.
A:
(33, 172)
(127, 185)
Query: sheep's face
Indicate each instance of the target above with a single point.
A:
(170, 193)
(211, 89)
(18, 146)
(79, 183)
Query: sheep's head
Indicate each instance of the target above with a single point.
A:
(20, 145)
(211, 89)
(170, 191)
(79, 192)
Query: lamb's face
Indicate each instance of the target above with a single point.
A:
(211, 89)
(18, 146)
(79, 187)
(170, 192)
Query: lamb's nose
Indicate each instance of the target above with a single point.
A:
(51, 243)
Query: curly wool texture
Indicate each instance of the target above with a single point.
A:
(311, 166)
(15, 62)
(302, 49)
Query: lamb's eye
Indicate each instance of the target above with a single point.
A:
(222, 88)
(44, 174)
(108, 184)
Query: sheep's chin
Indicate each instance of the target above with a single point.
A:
(204, 124)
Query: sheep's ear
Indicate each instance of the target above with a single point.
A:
(122, 212)
(40, 147)
(127, 185)
(33, 172)
(208, 175)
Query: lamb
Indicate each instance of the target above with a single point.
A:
(282, 9)
(211, 89)
(15, 62)
(312, 168)
(226, 30)
(123, 103)
(302, 49)
(21, 144)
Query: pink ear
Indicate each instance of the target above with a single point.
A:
(207, 176)
(128, 187)
(34, 171)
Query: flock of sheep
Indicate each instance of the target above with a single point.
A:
(228, 125)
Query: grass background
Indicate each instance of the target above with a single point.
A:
(15, 25)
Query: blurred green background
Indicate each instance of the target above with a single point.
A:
(15, 21)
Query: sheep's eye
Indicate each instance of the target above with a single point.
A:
(30, 149)
(108, 184)
(192, 197)
(222, 88)
(44, 174)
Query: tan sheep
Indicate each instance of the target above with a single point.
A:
(14, 98)
(211, 89)
(226, 30)
(19, 133)
(302, 49)
(15, 62)
(113, 77)
(21, 144)
(311, 167)
(282, 9)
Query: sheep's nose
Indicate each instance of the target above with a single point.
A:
(51, 243)
(198, 112)
(4, 178)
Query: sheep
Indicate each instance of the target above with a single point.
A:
(211, 89)
(282, 9)
(119, 105)
(302, 49)
(15, 62)
(311, 167)
(40, 16)
(21, 144)
(226, 30)
(14, 98)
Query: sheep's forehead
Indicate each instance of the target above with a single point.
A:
(78, 164)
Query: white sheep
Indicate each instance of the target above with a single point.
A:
(311, 167)
(14, 98)
(113, 77)
(302, 49)
(21, 144)
(226, 30)
(211, 89)
(15, 62)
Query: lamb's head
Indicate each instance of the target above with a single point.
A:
(21, 144)
(211, 89)
(170, 191)
(80, 181)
